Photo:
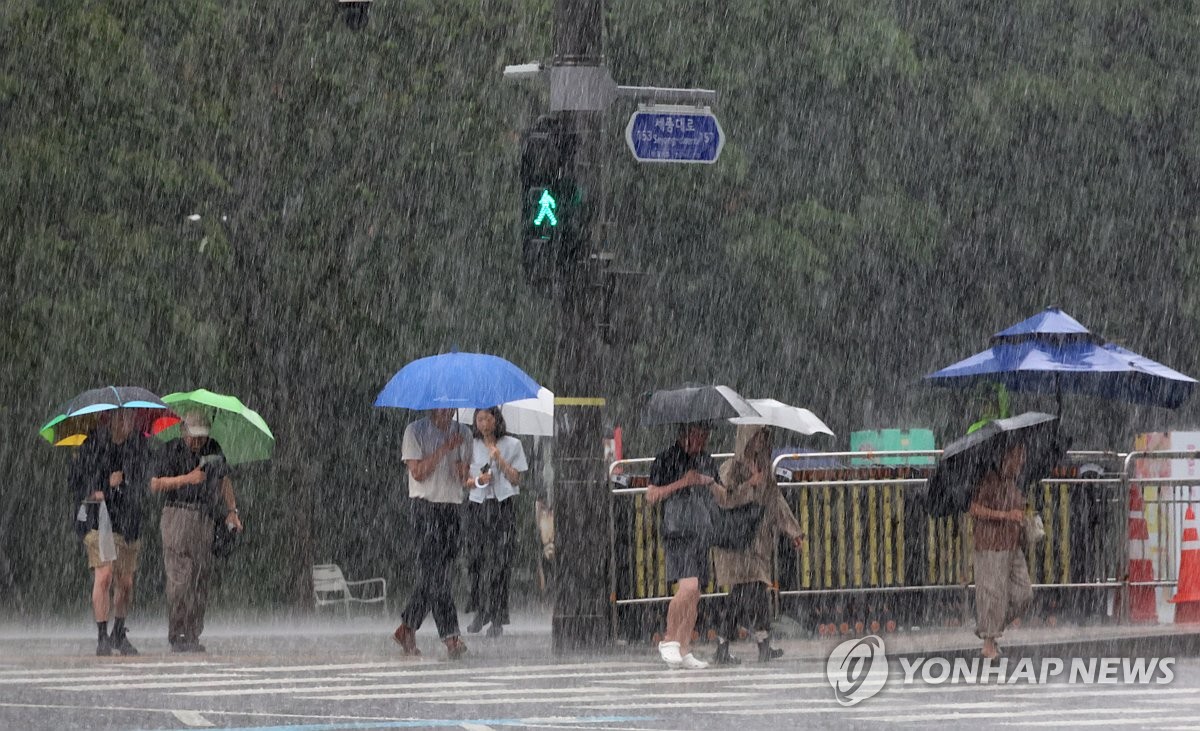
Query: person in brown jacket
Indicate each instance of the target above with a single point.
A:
(1002, 588)
(748, 478)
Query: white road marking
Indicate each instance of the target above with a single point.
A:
(1091, 691)
(307, 668)
(333, 688)
(476, 697)
(241, 680)
(701, 676)
(100, 669)
(615, 701)
(255, 714)
(1011, 713)
(476, 727)
(1108, 722)
(517, 671)
(89, 685)
(192, 718)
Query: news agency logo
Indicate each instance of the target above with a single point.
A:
(857, 669)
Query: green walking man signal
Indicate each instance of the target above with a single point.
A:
(546, 206)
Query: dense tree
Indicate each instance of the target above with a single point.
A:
(902, 178)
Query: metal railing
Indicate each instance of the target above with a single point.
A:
(869, 532)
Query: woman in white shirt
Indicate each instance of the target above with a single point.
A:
(497, 464)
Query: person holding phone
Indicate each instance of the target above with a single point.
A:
(194, 479)
(497, 466)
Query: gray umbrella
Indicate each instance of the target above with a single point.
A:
(695, 403)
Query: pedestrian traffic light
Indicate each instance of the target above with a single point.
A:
(549, 198)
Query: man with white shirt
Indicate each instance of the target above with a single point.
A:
(436, 450)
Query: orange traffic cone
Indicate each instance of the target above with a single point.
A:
(1143, 606)
(1187, 598)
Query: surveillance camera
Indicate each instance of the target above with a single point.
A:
(355, 12)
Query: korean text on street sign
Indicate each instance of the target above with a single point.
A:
(674, 134)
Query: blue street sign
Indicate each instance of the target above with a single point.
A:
(674, 134)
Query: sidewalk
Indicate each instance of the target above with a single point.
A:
(290, 639)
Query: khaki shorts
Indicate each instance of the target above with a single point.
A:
(127, 553)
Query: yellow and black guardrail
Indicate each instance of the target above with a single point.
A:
(869, 538)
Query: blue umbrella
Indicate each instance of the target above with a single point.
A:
(457, 380)
(1053, 353)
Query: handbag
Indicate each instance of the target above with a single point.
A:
(1034, 531)
(224, 539)
(736, 528)
(688, 515)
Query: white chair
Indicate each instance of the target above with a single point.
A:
(330, 587)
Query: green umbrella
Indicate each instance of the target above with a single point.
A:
(241, 432)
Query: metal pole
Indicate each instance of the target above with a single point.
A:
(581, 606)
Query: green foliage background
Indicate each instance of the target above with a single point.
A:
(902, 178)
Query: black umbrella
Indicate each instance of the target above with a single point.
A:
(695, 403)
(78, 416)
(965, 461)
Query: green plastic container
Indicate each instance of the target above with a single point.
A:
(892, 440)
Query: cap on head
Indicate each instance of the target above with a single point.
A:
(195, 425)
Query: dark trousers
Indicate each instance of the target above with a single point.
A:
(435, 526)
(491, 533)
(748, 605)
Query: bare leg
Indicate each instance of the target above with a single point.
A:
(989, 648)
(675, 613)
(688, 596)
(123, 596)
(101, 583)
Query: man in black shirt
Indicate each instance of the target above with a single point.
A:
(108, 475)
(681, 477)
(195, 480)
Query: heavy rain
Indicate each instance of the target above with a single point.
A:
(841, 357)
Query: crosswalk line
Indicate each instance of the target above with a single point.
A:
(326, 668)
(482, 696)
(241, 680)
(125, 681)
(514, 670)
(1011, 712)
(334, 688)
(709, 676)
(609, 702)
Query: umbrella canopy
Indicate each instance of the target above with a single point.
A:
(965, 461)
(77, 417)
(1053, 353)
(457, 380)
(695, 403)
(777, 413)
(531, 416)
(243, 435)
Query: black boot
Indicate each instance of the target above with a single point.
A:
(766, 652)
(477, 623)
(119, 641)
(722, 656)
(103, 645)
(121, 644)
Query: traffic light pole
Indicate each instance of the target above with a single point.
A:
(581, 602)
(562, 210)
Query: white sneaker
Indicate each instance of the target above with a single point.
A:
(669, 651)
(691, 662)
